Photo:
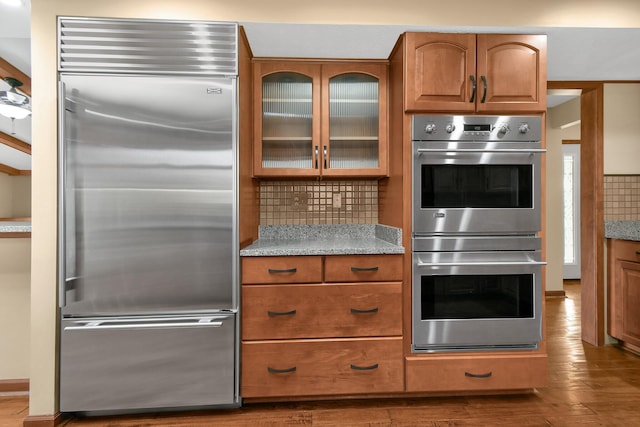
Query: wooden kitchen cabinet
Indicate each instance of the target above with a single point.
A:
(468, 73)
(474, 372)
(320, 119)
(340, 335)
(297, 368)
(624, 292)
(321, 310)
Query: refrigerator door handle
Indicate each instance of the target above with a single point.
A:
(61, 199)
(110, 324)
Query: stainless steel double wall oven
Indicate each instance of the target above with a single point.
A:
(477, 266)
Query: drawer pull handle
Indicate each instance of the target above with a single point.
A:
(364, 368)
(288, 270)
(637, 252)
(371, 310)
(356, 269)
(281, 371)
(469, 374)
(281, 313)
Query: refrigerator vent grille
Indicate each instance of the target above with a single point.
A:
(147, 46)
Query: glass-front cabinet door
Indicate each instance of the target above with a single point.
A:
(315, 119)
(354, 125)
(287, 119)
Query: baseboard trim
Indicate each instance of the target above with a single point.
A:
(43, 420)
(7, 386)
(555, 294)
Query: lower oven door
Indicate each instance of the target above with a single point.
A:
(477, 300)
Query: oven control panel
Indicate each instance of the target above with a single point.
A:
(476, 128)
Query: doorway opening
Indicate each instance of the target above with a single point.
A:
(571, 209)
(592, 208)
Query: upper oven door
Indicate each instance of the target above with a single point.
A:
(476, 187)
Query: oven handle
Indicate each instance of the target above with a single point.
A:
(479, 150)
(472, 264)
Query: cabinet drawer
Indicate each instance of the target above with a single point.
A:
(321, 367)
(466, 373)
(363, 268)
(282, 269)
(626, 250)
(321, 311)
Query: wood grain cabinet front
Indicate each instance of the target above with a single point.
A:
(321, 311)
(624, 292)
(476, 372)
(321, 326)
(467, 73)
(281, 269)
(363, 268)
(321, 367)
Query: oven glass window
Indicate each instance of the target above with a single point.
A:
(477, 186)
(477, 296)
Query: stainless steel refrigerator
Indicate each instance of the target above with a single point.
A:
(148, 242)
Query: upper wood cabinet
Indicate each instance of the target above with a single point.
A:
(315, 119)
(475, 73)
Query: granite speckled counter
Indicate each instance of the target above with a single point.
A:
(331, 239)
(624, 230)
(14, 227)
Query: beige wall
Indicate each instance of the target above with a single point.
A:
(15, 274)
(15, 264)
(621, 129)
(621, 13)
(21, 201)
(15, 196)
(6, 196)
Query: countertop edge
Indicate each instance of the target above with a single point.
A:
(622, 230)
(362, 239)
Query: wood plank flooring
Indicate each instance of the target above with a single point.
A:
(588, 386)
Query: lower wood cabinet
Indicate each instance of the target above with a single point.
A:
(321, 310)
(474, 372)
(322, 367)
(321, 326)
(624, 292)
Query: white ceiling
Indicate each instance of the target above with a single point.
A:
(576, 54)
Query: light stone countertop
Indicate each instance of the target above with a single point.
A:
(336, 239)
(624, 230)
(15, 227)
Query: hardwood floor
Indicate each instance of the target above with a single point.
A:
(588, 386)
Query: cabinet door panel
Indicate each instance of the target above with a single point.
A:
(631, 300)
(286, 119)
(439, 72)
(321, 367)
(354, 120)
(363, 268)
(284, 269)
(475, 372)
(321, 311)
(514, 67)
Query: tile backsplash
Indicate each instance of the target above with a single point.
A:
(621, 197)
(318, 202)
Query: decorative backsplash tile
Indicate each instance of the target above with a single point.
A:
(621, 197)
(318, 202)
